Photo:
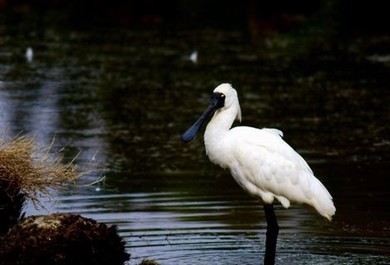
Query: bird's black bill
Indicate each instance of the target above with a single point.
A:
(217, 101)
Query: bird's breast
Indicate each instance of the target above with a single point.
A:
(217, 154)
(217, 150)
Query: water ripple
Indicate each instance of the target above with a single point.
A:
(180, 228)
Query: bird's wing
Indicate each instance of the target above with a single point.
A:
(270, 164)
(273, 131)
(267, 167)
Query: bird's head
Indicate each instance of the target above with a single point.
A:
(231, 98)
(223, 97)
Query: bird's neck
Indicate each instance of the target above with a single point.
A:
(216, 131)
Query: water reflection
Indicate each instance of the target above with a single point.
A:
(124, 99)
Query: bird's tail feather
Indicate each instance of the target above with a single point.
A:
(322, 201)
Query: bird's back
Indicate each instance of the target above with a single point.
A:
(267, 167)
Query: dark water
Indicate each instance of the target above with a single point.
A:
(122, 97)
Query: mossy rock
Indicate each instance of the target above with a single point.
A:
(62, 239)
(149, 262)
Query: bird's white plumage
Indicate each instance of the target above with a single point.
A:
(193, 57)
(29, 54)
(260, 161)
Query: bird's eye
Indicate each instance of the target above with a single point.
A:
(220, 99)
(219, 94)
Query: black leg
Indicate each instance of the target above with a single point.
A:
(272, 235)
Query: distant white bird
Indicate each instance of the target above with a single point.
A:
(260, 161)
(29, 54)
(193, 57)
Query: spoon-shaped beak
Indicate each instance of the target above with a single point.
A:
(217, 101)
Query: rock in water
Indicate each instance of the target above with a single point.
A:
(62, 239)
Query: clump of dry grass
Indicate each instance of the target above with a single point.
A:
(32, 170)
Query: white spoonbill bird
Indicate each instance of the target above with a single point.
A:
(262, 163)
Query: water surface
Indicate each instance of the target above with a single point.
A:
(122, 98)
